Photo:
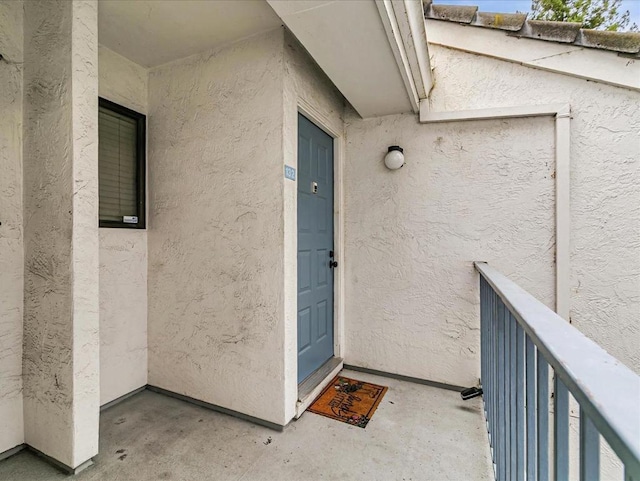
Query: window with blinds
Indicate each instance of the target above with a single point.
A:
(121, 160)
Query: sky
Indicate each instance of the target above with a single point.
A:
(525, 5)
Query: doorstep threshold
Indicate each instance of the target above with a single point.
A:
(311, 387)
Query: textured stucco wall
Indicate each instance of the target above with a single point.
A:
(468, 192)
(306, 87)
(215, 231)
(123, 258)
(605, 175)
(61, 342)
(122, 81)
(11, 242)
(485, 191)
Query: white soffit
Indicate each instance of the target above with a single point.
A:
(348, 41)
(153, 32)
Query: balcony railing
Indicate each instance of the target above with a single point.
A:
(521, 338)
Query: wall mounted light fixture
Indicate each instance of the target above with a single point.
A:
(394, 158)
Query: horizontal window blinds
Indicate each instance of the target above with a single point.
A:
(117, 165)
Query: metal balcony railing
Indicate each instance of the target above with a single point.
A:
(521, 338)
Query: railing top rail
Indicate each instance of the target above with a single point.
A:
(607, 390)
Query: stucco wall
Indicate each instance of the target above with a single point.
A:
(215, 230)
(306, 89)
(11, 241)
(61, 303)
(605, 174)
(468, 192)
(123, 258)
(484, 191)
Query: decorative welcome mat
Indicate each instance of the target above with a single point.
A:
(349, 401)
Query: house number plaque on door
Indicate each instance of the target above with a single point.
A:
(314, 187)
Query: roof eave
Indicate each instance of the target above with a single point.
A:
(404, 25)
(620, 70)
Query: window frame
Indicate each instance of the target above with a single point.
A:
(141, 163)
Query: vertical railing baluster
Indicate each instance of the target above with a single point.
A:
(488, 399)
(500, 408)
(520, 396)
(543, 417)
(486, 356)
(560, 430)
(488, 390)
(512, 398)
(483, 341)
(531, 409)
(507, 394)
(589, 449)
(494, 404)
(492, 374)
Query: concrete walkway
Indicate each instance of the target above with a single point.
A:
(417, 433)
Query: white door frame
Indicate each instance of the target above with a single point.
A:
(334, 127)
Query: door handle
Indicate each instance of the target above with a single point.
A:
(333, 264)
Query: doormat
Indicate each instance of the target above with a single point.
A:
(350, 401)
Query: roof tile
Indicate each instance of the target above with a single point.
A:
(504, 21)
(564, 32)
(454, 13)
(518, 25)
(627, 42)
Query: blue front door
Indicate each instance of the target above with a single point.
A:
(315, 247)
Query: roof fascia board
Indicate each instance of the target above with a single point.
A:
(392, 29)
(403, 21)
(416, 42)
(580, 62)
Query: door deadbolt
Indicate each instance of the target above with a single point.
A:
(332, 263)
(314, 187)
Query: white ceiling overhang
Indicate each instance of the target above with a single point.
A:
(154, 32)
(375, 52)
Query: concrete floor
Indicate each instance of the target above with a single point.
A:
(417, 433)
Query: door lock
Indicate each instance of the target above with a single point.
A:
(332, 263)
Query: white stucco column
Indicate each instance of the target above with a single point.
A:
(61, 357)
(11, 253)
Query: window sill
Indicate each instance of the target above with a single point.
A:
(117, 225)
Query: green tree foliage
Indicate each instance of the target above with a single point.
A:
(598, 14)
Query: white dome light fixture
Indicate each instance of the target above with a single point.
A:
(394, 158)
